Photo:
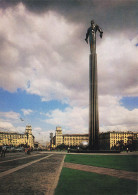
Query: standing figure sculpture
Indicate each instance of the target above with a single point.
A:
(91, 33)
(93, 86)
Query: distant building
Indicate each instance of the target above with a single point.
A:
(36, 144)
(16, 139)
(51, 140)
(109, 140)
(68, 139)
(48, 145)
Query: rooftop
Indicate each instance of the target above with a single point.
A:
(75, 134)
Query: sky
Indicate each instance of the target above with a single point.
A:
(44, 65)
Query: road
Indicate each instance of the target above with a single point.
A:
(37, 173)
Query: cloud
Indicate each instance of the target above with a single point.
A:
(112, 116)
(10, 115)
(37, 129)
(75, 119)
(43, 52)
(6, 126)
(20, 129)
(117, 66)
(26, 111)
(10, 121)
(113, 14)
(49, 57)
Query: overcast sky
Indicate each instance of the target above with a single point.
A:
(44, 65)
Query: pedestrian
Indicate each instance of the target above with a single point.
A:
(0, 149)
(29, 151)
(68, 149)
(3, 151)
(25, 150)
(127, 150)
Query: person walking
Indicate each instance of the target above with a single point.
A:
(0, 150)
(68, 149)
(3, 151)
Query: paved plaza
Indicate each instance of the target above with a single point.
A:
(37, 173)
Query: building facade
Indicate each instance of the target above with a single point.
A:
(16, 139)
(109, 140)
(68, 139)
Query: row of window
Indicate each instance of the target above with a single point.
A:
(76, 139)
(8, 136)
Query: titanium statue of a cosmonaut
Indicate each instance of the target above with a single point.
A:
(91, 33)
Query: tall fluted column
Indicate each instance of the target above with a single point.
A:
(93, 103)
(93, 85)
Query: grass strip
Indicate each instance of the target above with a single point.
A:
(76, 182)
(120, 162)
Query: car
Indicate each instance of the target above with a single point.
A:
(20, 149)
(10, 149)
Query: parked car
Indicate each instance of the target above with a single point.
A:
(20, 149)
(10, 149)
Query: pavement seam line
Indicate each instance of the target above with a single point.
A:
(22, 166)
(104, 171)
(19, 158)
(52, 190)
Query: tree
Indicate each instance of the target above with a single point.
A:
(62, 147)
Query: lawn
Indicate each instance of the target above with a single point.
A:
(123, 162)
(75, 182)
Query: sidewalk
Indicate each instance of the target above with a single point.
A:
(105, 171)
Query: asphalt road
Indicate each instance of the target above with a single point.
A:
(29, 174)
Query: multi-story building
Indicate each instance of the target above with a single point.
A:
(74, 139)
(110, 139)
(107, 140)
(16, 139)
(68, 139)
(58, 136)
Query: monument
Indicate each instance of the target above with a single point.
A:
(93, 85)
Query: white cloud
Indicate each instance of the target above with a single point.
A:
(10, 115)
(26, 111)
(20, 129)
(74, 119)
(37, 129)
(48, 57)
(117, 66)
(6, 126)
(112, 116)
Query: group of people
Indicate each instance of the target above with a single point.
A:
(27, 150)
(3, 150)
